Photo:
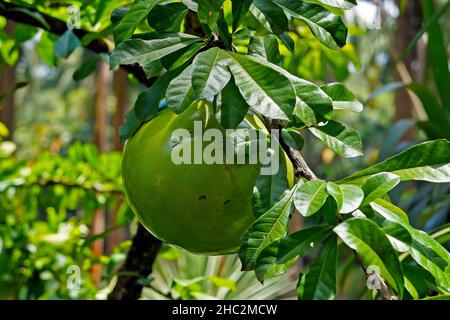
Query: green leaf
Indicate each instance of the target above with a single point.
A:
(208, 13)
(292, 138)
(374, 248)
(269, 227)
(130, 126)
(223, 282)
(343, 99)
(390, 212)
(433, 257)
(239, 10)
(265, 47)
(426, 251)
(269, 188)
(233, 106)
(287, 41)
(45, 49)
(274, 15)
(352, 196)
(280, 254)
(336, 192)
(378, 185)
(86, 68)
(146, 51)
(427, 161)
(398, 235)
(66, 44)
(310, 197)
(319, 283)
(342, 4)
(326, 26)
(418, 279)
(312, 104)
(167, 17)
(180, 94)
(132, 18)
(147, 103)
(210, 74)
(180, 57)
(344, 141)
(266, 91)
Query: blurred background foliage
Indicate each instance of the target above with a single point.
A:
(61, 200)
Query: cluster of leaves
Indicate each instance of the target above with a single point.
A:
(235, 63)
(239, 79)
(46, 208)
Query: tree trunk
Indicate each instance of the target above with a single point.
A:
(408, 24)
(98, 225)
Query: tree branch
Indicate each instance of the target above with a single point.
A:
(145, 247)
(58, 27)
(138, 264)
(302, 170)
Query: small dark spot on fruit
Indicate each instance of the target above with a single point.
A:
(226, 202)
(202, 197)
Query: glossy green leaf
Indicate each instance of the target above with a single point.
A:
(66, 44)
(147, 103)
(342, 4)
(280, 254)
(180, 94)
(374, 248)
(319, 282)
(167, 17)
(398, 235)
(233, 106)
(342, 140)
(269, 188)
(208, 13)
(210, 74)
(433, 257)
(266, 91)
(378, 185)
(145, 52)
(426, 251)
(326, 26)
(180, 57)
(239, 10)
(352, 196)
(292, 138)
(427, 161)
(265, 47)
(310, 197)
(312, 104)
(343, 99)
(86, 68)
(132, 18)
(274, 15)
(269, 227)
(336, 192)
